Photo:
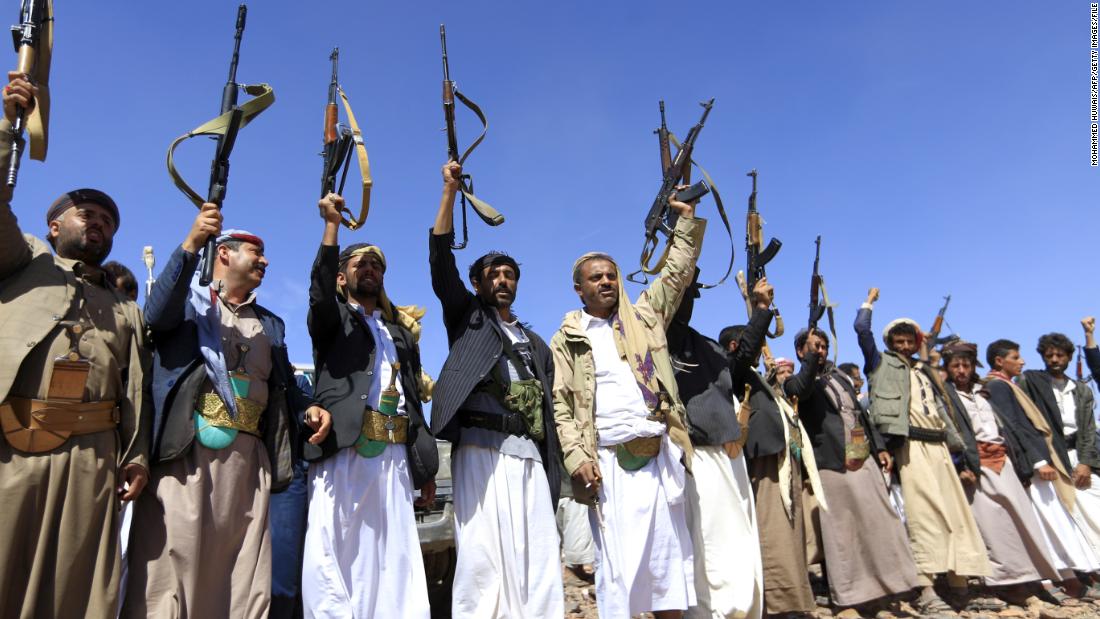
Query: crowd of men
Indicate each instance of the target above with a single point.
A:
(706, 486)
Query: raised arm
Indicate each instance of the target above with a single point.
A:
(15, 253)
(165, 305)
(752, 338)
(446, 281)
(663, 295)
(1092, 353)
(324, 309)
(866, 339)
(801, 385)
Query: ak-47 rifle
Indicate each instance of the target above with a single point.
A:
(663, 141)
(757, 257)
(33, 38)
(224, 127)
(819, 299)
(661, 217)
(150, 261)
(338, 139)
(937, 326)
(487, 213)
(1080, 365)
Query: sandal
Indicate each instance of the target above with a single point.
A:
(981, 603)
(934, 607)
(1058, 597)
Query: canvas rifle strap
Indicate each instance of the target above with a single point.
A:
(832, 320)
(263, 97)
(353, 223)
(487, 213)
(38, 121)
(721, 212)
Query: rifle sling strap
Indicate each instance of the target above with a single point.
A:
(721, 212)
(353, 223)
(829, 305)
(487, 213)
(263, 97)
(38, 121)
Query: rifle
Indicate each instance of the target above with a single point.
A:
(33, 38)
(819, 299)
(661, 217)
(338, 140)
(224, 127)
(1080, 367)
(147, 256)
(662, 141)
(466, 184)
(937, 326)
(757, 257)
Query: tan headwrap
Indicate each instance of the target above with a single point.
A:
(631, 340)
(407, 316)
(894, 323)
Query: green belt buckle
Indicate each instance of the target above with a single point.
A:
(629, 461)
(213, 437)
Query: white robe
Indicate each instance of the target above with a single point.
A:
(1068, 542)
(721, 512)
(509, 562)
(362, 551)
(1088, 503)
(577, 547)
(644, 557)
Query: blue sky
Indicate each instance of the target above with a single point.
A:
(937, 147)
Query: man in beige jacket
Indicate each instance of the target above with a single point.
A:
(623, 430)
(73, 368)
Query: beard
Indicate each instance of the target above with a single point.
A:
(492, 300)
(76, 247)
(365, 289)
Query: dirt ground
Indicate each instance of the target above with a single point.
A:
(580, 601)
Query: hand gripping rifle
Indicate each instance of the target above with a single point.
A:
(33, 38)
(675, 171)
(937, 326)
(487, 213)
(757, 257)
(339, 139)
(225, 127)
(819, 299)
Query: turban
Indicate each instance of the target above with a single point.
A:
(960, 348)
(407, 316)
(82, 196)
(894, 323)
(240, 235)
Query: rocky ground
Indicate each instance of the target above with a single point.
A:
(580, 601)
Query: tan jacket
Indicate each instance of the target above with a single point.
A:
(36, 292)
(574, 369)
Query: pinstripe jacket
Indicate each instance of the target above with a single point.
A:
(476, 344)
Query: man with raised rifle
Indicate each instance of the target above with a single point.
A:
(362, 551)
(866, 551)
(1070, 409)
(910, 408)
(74, 403)
(623, 429)
(228, 408)
(720, 510)
(493, 400)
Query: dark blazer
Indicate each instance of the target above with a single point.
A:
(703, 376)
(179, 373)
(1033, 447)
(344, 355)
(476, 344)
(822, 420)
(970, 459)
(1039, 386)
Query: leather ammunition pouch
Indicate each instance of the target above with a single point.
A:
(35, 426)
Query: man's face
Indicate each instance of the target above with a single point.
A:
(960, 370)
(599, 286)
(857, 380)
(84, 232)
(1011, 364)
(1055, 359)
(498, 285)
(364, 276)
(782, 373)
(816, 344)
(246, 264)
(903, 344)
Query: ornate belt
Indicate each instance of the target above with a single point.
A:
(34, 426)
(637, 452)
(211, 407)
(385, 428)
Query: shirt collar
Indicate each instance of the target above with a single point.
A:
(219, 288)
(588, 320)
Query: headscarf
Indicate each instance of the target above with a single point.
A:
(784, 361)
(894, 323)
(77, 197)
(208, 312)
(960, 348)
(406, 316)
